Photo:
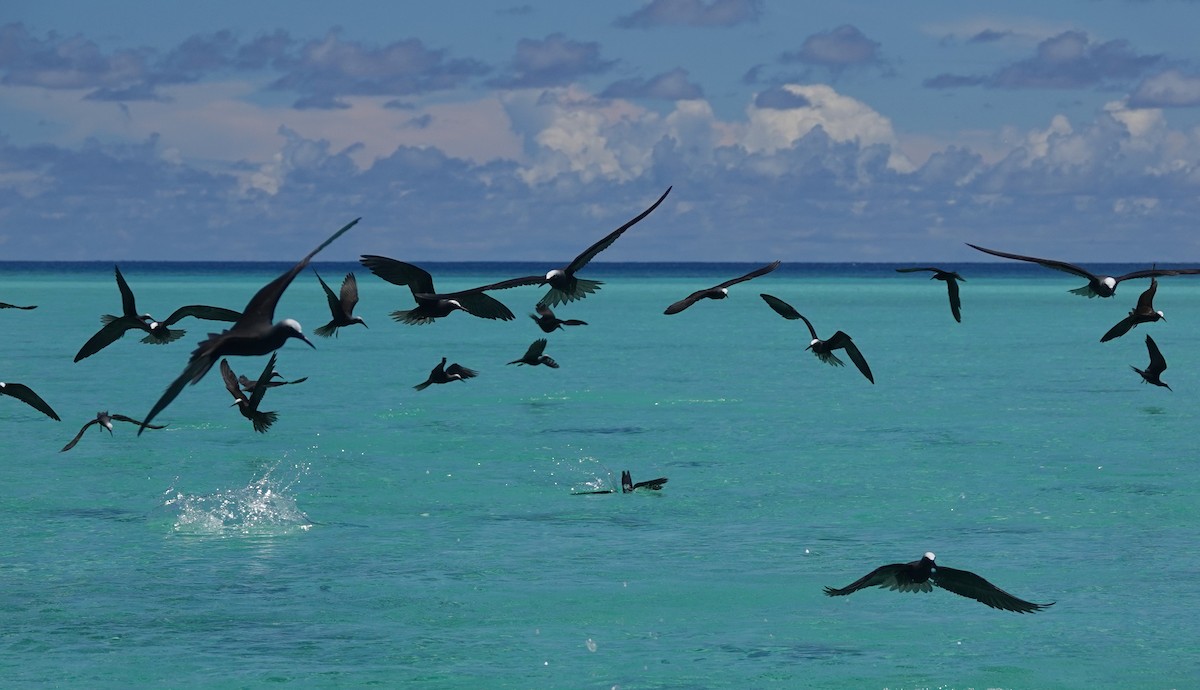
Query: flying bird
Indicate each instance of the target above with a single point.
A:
(548, 322)
(920, 576)
(248, 406)
(445, 374)
(341, 306)
(26, 395)
(627, 486)
(1143, 313)
(249, 385)
(6, 305)
(823, 349)
(157, 333)
(105, 420)
(952, 280)
(1157, 365)
(533, 356)
(1098, 285)
(718, 291)
(433, 305)
(252, 334)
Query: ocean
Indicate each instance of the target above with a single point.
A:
(381, 536)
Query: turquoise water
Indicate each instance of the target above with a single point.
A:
(383, 536)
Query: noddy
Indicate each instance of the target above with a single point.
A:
(1143, 313)
(341, 306)
(445, 374)
(6, 305)
(249, 385)
(951, 279)
(249, 406)
(718, 291)
(823, 349)
(105, 420)
(252, 334)
(548, 322)
(533, 356)
(26, 395)
(1157, 365)
(1098, 285)
(627, 486)
(433, 305)
(157, 333)
(920, 576)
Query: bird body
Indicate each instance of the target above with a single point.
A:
(548, 322)
(951, 279)
(628, 486)
(445, 374)
(1143, 313)
(341, 305)
(105, 420)
(534, 355)
(432, 305)
(1098, 285)
(248, 406)
(1158, 364)
(718, 291)
(823, 349)
(26, 395)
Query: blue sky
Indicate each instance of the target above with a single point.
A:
(849, 131)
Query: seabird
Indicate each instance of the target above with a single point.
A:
(1143, 313)
(432, 304)
(548, 322)
(445, 374)
(157, 333)
(951, 278)
(718, 291)
(627, 486)
(6, 305)
(249, 385)
(823, 349)
(920, 576)
(1158, 364)
(249, 406)
(341, 307)
(105, 420)
(252, 334)
(26, 395)
(533, 356)
(1098, 286)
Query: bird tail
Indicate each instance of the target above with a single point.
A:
(830, 358)
(107, 319)
(1085, 291)
(263, 420)
(582, 288)
(548, 361)
(423, 386)
(326, 330)
(409, 318)
(167, 335)
(574, 322)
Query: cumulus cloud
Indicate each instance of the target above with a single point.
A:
(692, 13)
(838, 49)
(553, 61)
(1169, 89)
(668, 86)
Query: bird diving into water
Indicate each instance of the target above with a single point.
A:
(823, 349)
(533, 356)
(1157, 365)
(922, 575)
(627, 486)
(1098, 285)
(433, 305)
(104, 419)
(548, 322)
(248, 406)
(718, 291)
(252, 334)
(158, 333)
(445, 374)
(341, 306)
(952, 280)
(26, 395)
(1143, 313)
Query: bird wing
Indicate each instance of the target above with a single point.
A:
(6, 305)
(1121, 328)
(26, 395)
(462, 371)
(536, 348)
(110, 333)
(131, 420)
(260, 386)
(335, 304)
(231, 383)
(1151, 272)
(1145, 303)
(918, 268)
(399, 273)
(544, 310)
(967, 584)
(590, 253)
(843, 341)
(761, 271)
(1158, 363)
(883, 576)
(1048, 263)
(78, 436)
(955, 302)
(685, 302)
(196, 368)
(349, 293)
(787, 311)
(654, 484)
(202, 311)
(128, 304)
(481, 305)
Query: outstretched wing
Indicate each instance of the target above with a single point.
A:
(107, 335)
(231, 382)
(842, 341)
(462, 371)
(967, 584)
(1121, 328)
(482, 305)
(260, 387)
(202, 311)
(6, 305)
(399, 273)
(78, 436)
(889, 576)
(761, 271)
(536, 349)
(131, 420)
(1158, 363)
(26, 395)
(685, 302)
(1145, 303)
(128, 304)
(914, 269)
(1048, 263)
(787, 311)
(590, 253)
(335, 304)
(349, 293)
(955, 302)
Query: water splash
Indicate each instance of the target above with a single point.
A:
(264, 507)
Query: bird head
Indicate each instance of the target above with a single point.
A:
(358, 319)
(552, 274)
(1161, 315)
(929, 556)
(813, 343)
(1110, 282)
(291, 328)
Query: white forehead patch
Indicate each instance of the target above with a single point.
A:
(929, 555)
(292, 324)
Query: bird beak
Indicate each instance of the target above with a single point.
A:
(301, 336)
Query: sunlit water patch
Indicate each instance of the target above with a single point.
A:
(265, 506)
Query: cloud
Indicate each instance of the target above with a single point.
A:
(780, 98)
(668, 86)
(837, 50)
(1169, 89)
(553, 61)
(75, 62)
(692, 13)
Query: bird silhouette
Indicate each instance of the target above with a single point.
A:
(248, 406)
(533, 356)
(1143, 313)
(718, 291)
(26, 395)
(341, 306)
(248, 385)
(823, 349)
(548, 322)
(445, 374)
(627, 486)
(104, 419)
(6, 305)
(1098, 285)
(951, 279)
(432, 305)
(1157, 365)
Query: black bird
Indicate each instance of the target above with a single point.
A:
(1098, 286)
(26, 395)
(249, 385)
(627, 486)
(823, 349)
(533, 356)
(432, 304)
(341, 307)
(1142, 313)
(157, 333)
(920, 576)
(252, 334)
(6, 305)
(952, 279)
(548, 322)
(564, 286)
(718, 291)
(445, 374)
(1158, 364)
(249, 406)
(105, 420)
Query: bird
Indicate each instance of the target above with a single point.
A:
(564, 286)
(249, 385)
(952, 280)
(1098, 285)
(105, 420)
(6, 305)
(249, 406)
(823, 349)
(718, 291)
(252, 334)
(1143, 313)
(340, 306)
(26, 395)
(627, 486)
(920, 576)
(445, 374)
(548, 322)
(157, 333)
(1157, 365)
(433, 305)
(533, 356)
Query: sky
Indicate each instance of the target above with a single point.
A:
(859, 130)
